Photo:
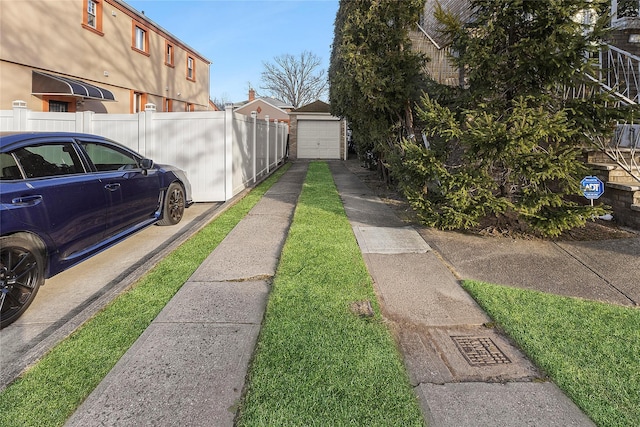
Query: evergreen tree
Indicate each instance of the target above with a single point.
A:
(373, 73)
(510, 143)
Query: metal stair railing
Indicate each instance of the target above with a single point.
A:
(619, 75)
(620, 71)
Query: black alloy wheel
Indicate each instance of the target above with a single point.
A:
(21, 275)
(174, 204)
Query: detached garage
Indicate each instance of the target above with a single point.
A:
(315, 133)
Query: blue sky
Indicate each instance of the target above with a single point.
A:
(237, 36)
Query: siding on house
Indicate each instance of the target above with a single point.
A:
(431, 25)
(55, 37)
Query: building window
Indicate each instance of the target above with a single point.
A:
(58, 107)
(92, 16)
(59, 104)
(191, 68)
(140, 40)
(189, 107)
(91, 13)
(168, 105)
(140, 36)
(168, 54)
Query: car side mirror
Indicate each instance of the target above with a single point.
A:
(146, 164)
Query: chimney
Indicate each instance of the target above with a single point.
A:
(252, 95)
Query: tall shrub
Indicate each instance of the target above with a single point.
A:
(509, 143)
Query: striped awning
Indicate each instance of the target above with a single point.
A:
(50, 84)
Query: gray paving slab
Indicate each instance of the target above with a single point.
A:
(176, 374)
(390, 240)
(418, 288)
(252, 250)
(529, 264)
(367, 210)
(361, 206)
(218, 302)
(616, 261)
(499, 405)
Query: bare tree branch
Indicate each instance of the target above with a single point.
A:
(295, 79)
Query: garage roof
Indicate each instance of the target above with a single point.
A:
(314, 107)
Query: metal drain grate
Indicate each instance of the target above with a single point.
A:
(480, 351)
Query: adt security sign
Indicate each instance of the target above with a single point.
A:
(592, 187)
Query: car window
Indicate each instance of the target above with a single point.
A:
(53, 159)
(8, 167)
(107, 158)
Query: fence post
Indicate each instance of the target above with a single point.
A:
(146, 135)
(228, 151)
(19, 115)
(86, 121)
(343, 127)
(275, 159)
(283, 141)
(266, 119)
(254, 117)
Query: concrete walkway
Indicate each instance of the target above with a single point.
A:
(464, 373)
(189, 366)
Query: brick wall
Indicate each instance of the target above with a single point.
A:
(620, 201)
(620, 39)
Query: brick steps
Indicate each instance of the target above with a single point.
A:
(622, 190)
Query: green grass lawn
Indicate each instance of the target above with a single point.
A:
(590, 350)
(52, 390)
(318, 363)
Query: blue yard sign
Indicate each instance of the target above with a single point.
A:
(592, 187)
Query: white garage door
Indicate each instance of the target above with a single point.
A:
(318, 139)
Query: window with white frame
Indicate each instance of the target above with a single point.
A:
(168, 60)
(191, 71)
(92, 15)
(140, 39)
(92, 8)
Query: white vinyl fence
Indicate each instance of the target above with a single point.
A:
(222, 152)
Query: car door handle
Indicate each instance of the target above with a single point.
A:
(112, 187)
(27, 200)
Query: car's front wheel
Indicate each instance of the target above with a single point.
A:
(21, 274)
(174, 204)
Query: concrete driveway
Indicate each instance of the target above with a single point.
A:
(70, 298)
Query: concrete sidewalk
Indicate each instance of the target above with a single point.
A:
(464, 373)
(189, 366)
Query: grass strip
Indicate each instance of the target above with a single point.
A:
(49, 392)
(318, 363)
(591, 350)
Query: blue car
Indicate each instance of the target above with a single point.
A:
(65, 197)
